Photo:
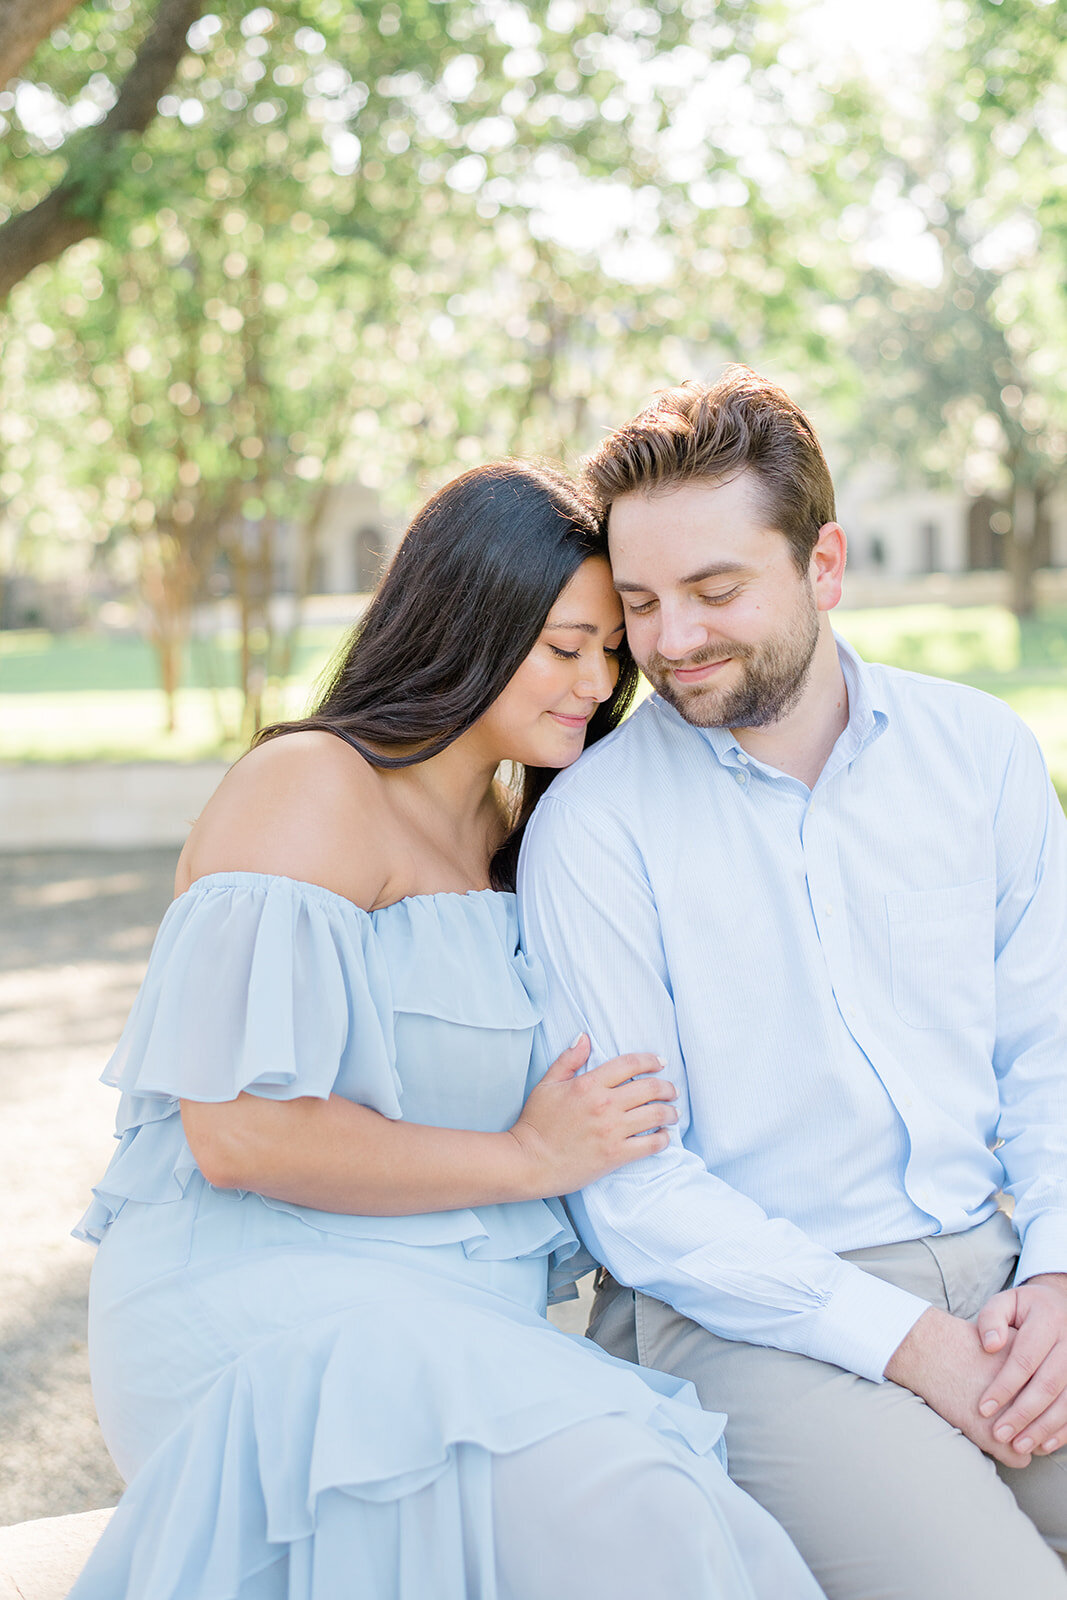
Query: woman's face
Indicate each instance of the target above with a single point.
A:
(541, 717)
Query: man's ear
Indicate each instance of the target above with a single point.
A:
(827, 568)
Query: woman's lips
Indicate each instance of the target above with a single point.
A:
(569, 722)
(698, 674)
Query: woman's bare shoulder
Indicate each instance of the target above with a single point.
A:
(303, 805)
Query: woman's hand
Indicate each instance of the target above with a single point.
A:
(576, 1126)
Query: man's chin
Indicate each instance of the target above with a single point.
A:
(699, 706)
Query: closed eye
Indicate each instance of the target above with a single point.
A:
(638, 607)
(720, 599)
(614, 650)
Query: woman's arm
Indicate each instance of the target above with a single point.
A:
(306, 806)
(334, 1155)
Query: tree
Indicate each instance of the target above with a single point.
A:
(23, 26)
(327, 255)
(952, 204)
(74, 208)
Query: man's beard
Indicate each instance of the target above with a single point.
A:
(773, 677)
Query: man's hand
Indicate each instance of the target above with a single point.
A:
(1027, 1400)
(943, 1361)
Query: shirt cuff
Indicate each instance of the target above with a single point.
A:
(1044, 1247)
(862, 1323)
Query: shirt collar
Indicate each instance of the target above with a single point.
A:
(868, 717)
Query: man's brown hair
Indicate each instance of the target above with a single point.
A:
(740, 423)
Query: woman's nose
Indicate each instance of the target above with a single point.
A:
(597, 680)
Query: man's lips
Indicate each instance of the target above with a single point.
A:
(698, 674)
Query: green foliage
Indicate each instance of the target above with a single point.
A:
(963, 348)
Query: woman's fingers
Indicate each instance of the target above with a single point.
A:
(621, 1069)
(644, 1092)
(569, 1061)
(647, 1144)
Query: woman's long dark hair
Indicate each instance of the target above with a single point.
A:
(462, 605)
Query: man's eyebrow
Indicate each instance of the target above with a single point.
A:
(717, 569)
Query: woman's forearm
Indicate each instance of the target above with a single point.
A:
(334, 1155)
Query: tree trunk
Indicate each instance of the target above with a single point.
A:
(24, 24)
(169, 650)
(307, 539)
(1021, 551)
(74, 209)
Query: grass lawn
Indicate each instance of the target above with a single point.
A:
(1022, 663)
(95, 697)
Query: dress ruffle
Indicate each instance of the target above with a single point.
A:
(412, 1391)
(323, 989)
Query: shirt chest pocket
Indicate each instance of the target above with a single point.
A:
(941, 954)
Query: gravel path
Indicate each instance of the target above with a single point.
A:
(76, 928)
(75, 931)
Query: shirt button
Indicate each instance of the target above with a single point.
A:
(828, 910)
(741, 756)
(739, 777)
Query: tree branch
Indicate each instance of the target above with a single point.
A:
(24, 24)
(74, 209)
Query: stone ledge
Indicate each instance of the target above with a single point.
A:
(97, 805)
(40, 1560)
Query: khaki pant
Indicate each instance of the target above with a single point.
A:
(882, 1497)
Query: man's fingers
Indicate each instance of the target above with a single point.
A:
(994, 1322)
(1031, 1345)
(1024, 1417)
(1046, 1433)
(1019, 1367)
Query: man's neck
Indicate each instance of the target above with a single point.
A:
(800, 743)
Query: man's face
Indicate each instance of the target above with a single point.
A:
(720, 619)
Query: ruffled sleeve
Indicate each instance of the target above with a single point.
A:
(257, 984)
(260, 984)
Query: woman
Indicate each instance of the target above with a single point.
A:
(316, 1320)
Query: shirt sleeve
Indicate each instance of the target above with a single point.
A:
(1030, 1056)
(664, 1224)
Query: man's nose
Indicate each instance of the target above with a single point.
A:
(681, 632)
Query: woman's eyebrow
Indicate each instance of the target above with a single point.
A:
(580, 627)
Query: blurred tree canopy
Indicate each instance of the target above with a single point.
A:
(969, 170)
(253, 251)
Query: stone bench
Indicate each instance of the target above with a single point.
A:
(40, 1560)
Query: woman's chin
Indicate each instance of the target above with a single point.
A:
(566, 756)
(554, 755)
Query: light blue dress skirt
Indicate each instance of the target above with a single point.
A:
(318, 1406)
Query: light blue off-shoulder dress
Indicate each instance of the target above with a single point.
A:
(319, 1406)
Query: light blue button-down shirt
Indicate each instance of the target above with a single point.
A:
(860, 989)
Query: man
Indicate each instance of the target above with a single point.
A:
(834, 896)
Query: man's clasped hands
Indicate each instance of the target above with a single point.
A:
(1001, 1380)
